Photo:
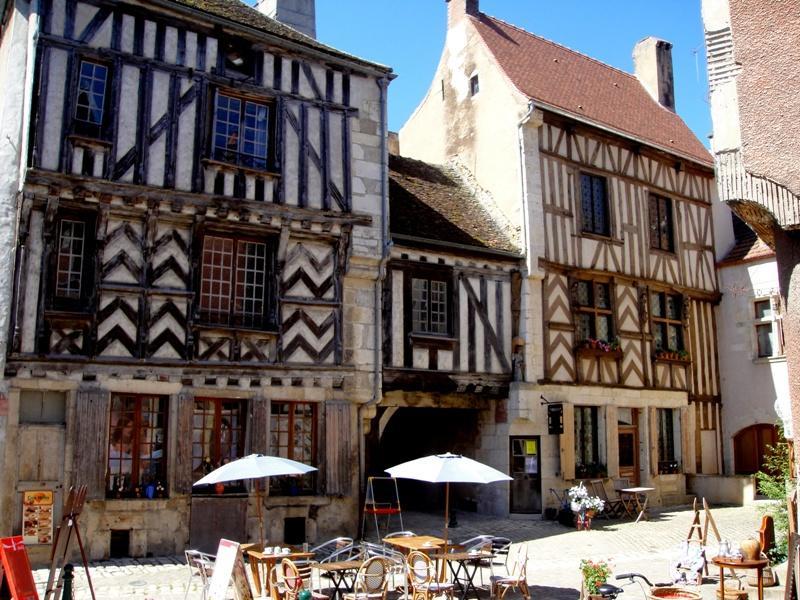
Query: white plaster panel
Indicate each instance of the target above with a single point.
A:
(77, 160)
(211, 53)
(126, 37)
(160, 96)
(129, 102)
(102, 39)
(397, 318)
(57, 14)
(229, 181)
(286, 74)
(32, 281)
(99, 163)
(83, 14)
(445, 360)
(314, 187)
(156, 162)
(186, 141)
(149, 47)
(291, 152)
(191, 49)
(336, 125)
(463, 328)
(420, 358)
(171, 45)
(53, 116)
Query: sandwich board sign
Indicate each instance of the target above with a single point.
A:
(17, 569)
(229, 565)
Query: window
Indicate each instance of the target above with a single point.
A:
(72, 262)
(137, 446)
(217, 433)
(587, 442)
(42, 407)
(661, 232)
(594, 205)
(90, 103)
(666, 311)
(593, 311)
(474, 85)
(236, 286)
(769, 333)
(668, 440)
(293, 434)
(241, 131)
(429, 311)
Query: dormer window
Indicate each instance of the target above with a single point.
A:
(242, 131)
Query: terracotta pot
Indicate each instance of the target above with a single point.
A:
(219, 488)
(751, 549)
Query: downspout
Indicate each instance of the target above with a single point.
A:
(524, 182)
(383, 85)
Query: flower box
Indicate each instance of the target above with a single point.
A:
(672, 356)
(588, 352)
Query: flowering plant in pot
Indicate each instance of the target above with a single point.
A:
(595, 573)
(581, 501)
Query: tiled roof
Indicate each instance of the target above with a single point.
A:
(241, 13)
(587, 89)
(747, 248)
(433, 202)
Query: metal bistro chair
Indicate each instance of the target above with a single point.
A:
(200, 565)
(398, 534)
(501, 547)
(424, 582)
(371, 580)
(479, 543)
(516, 579)
(395, 561)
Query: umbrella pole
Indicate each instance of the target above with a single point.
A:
(260, 514)
(446, 522)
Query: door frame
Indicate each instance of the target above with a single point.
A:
(637, 462)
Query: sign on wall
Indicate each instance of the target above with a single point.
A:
(37, 517)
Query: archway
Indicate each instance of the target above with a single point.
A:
(750, 447)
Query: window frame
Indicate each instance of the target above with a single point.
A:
(590, 228)
(81, 127)
(430, 274)
(215, 453)
(662, 208)
(136, 447)
(474, 85)
(773, 321)
(288, 485)
(221, 155)
(594, 310)
(665, 321)
(669, 445)
(580, 412)
(269, 315)
(84, 302)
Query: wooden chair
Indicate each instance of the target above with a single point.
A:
(200, 565)
(371, 580)
(425, 584)
(517, 579)
(612, 508)
(292, 582)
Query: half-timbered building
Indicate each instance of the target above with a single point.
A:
(201, 223)
(609, 196)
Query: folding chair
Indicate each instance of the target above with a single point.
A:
(200, 565)
(517, 579)
(612, 508)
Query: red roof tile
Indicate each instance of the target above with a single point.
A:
(747, 248)
(586, 88)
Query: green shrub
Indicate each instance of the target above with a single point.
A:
(775, 482)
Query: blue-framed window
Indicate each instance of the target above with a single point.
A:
(91, 101)
(241, 131)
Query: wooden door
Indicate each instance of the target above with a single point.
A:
(628, 444)
(750, 447)
(526, 489)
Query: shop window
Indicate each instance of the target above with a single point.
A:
(666, 312)
(669, 440)
(662, 236)
(137, 447)
(218, 427)
(588, 432)
(594, 205)
(593, 311)
(429, 305)
(236, 282)
(293, 434)
(768, 330)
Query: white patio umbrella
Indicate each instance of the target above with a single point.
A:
(447, 468)
(255, 466)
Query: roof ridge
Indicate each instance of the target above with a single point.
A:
(572, 50)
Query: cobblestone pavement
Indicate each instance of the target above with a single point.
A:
(554, 553)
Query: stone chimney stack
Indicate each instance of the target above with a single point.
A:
(458, 9)
(652, 63)
(297, 14)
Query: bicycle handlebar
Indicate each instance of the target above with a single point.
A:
(633, 576)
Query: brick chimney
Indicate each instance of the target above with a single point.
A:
(652, 63)
(297, 14)
(458, 9)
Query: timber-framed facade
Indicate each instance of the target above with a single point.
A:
(202, 221)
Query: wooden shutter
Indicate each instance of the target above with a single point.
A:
(567, 443)
(340, 456)
(258, 427)
(182, 472)
(91, 440)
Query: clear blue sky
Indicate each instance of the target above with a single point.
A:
(408, 36)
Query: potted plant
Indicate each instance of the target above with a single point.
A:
(595, 574)
(584, 506)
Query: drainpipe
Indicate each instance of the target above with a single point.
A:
(524, 182)
(383, 85)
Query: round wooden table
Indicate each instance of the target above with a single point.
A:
(730, 562)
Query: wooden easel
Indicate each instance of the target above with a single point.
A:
(699, 533)
(58, 555)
